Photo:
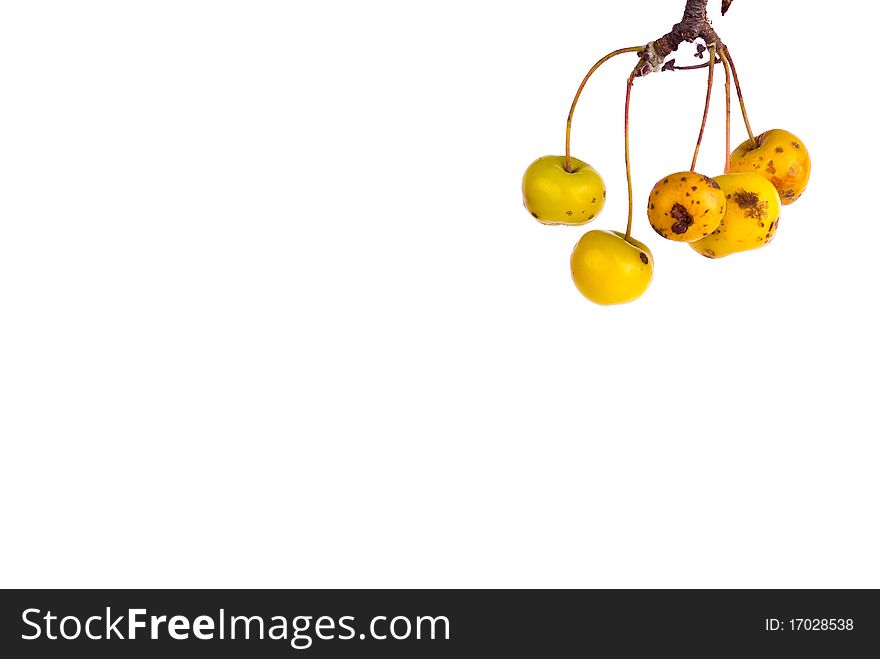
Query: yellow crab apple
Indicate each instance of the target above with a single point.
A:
(554, 195)
(686, 207)
(751, 220)
(609, 268)
(778, 156)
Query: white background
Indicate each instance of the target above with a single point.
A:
(272, 313)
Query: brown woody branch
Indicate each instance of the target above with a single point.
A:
(694, 26)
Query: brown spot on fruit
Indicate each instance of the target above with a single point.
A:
(684, 178)
(771, 169)
(569, 213)
(694, 188)
(666, 181)
(684, 220)
(796, 145)
(594, 201)
(591, 217)
(535, 215)
(644, 258)
(779, 149)
(712, 182)
(751, 204)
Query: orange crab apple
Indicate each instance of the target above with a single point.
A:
(686, 207)
(778, 156)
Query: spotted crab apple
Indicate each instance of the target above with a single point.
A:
(751, 219)
(778, 156)
(686, 206)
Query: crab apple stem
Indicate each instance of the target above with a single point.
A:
(727, 98)
(706, 109)
(725, 53)
(622, 51)
(629, 182)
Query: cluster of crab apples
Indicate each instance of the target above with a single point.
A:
(717, 217)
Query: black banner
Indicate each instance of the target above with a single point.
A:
(448, 623)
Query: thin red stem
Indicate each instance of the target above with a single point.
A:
(629, 183)
(706, 109)
(725, 52)
(727, 95)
